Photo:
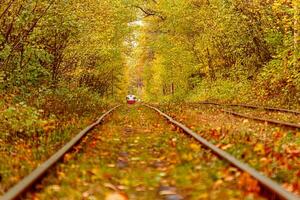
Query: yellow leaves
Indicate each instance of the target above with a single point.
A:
(203, 195)
(61, 175)
(48, 126)
(187, 157)
(245, 121)
(259, 148)
(54, 188)
(96, 173)
(195, 147)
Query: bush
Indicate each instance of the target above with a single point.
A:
(21, 121)
(225, 90)
(64, 102)
(277, 84)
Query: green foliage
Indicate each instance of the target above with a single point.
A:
(224, 90)
(218, 46)
(21, 121)
(276, 82)
(47, 42)
(64, 58)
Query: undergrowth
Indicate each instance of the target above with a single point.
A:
(35, 125)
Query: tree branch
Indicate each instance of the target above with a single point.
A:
(9, 5)
(149, 12)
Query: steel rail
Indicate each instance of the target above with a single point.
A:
(272, 121)
(271, 185)
(253, 106)
(266, 108)
(26, 182)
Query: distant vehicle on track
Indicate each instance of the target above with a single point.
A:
(131, 99)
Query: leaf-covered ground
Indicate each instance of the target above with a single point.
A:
(271, 149)
(27, 139)
(136, 154)
(282, 116)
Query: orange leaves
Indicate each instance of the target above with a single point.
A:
(116, 196)
(278, 135)
(173, 158)
(67, 157)
(173, 142)
(175, 128)
(215, 134)
(93, 144)
(292, 151)
(247, 183)
(295, 187)
(226, 146)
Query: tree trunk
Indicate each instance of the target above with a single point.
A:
(112, 83)
(172, 88)
(210, 66)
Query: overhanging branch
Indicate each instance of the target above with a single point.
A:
(149, 12)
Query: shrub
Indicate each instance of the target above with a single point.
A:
(225, 90)
(277, 83)
(21, 121)
(65, 102)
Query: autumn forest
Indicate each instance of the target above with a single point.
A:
(63, 63)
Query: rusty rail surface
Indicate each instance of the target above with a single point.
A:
(36, 174)
(269, 184)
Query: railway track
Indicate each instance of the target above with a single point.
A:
(253, 106)
(261, 119)
(272, 187)
(35, 175)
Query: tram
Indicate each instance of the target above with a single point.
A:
(131, 99)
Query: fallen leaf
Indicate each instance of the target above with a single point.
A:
(247, 183)
(227, 146)
(195, 147)
(110, 186)
(115, 196)
(259, 147)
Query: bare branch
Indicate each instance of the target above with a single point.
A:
(7, 8)
(149, 12)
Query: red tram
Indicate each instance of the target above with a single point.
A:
(131, 99)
